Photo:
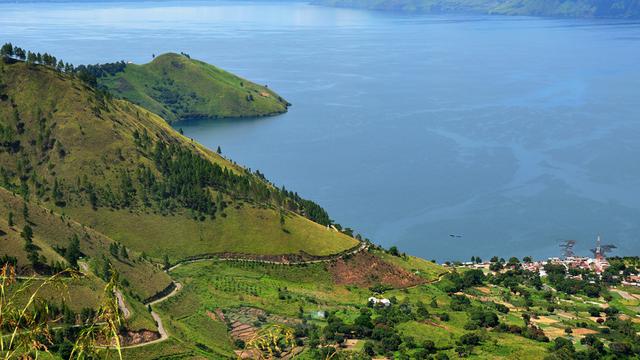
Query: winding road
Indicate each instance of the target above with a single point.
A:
(178, 286)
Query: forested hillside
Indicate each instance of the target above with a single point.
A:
(122, 170)
(551, 8)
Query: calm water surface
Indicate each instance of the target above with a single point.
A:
(512, 132)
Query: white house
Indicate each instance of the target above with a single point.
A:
(381, 302)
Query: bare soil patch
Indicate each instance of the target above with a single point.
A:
(554, 332)
(364, 269)
(138, 337)
(544, 320)
(566, 315)
(583, 331)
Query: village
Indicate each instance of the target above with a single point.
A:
(597, 264)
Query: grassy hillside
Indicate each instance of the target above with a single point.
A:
(552, 8)
(177, 87)
(53, 230)
(121, 169)
(77, 165)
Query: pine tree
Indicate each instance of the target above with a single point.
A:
(6, 50)
(166, 263)
(123, 252)
(27, 235)
(72, 253)
(282, 220)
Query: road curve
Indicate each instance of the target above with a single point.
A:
(162, 331)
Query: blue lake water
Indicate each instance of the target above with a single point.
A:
(513, 132)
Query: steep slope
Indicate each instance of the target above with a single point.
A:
(177, 87)
(55, 231)
(551, 8)
(123, 171)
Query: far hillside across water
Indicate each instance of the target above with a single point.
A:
(552, 8)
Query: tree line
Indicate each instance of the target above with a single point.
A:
(87, 73)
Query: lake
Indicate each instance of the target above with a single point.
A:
(512, 133)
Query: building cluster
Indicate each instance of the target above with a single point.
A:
(597, 264)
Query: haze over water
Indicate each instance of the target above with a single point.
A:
(514, 133)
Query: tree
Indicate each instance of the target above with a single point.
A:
(369, 348)
(19, 53)
(58, 196)
(165, 262)
(394, 251)
(72, 253)
(513, 261)
(10, 220)
(594, 311)
(123, 252)
(472, 278)
(621, 349)
(469, 339)
(27, 234)
(31, 58)
(6, 50)
(219, 151)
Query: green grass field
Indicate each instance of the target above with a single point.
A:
(176, 88)
(247, 230)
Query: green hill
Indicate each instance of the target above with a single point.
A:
(177, 87)
(551, 8)
(123, 171)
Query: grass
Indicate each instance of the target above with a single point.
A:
(246, 230)
(508, 346)
(169, 349)
(176, 88)
(51, 229)
(278, 289)
(421, 267)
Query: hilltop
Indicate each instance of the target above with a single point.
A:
(176, 87)
(550, 8)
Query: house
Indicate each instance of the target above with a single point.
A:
(379, 302)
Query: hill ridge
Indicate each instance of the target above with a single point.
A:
(177, 87)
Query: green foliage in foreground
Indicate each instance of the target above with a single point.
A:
(177, 87)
